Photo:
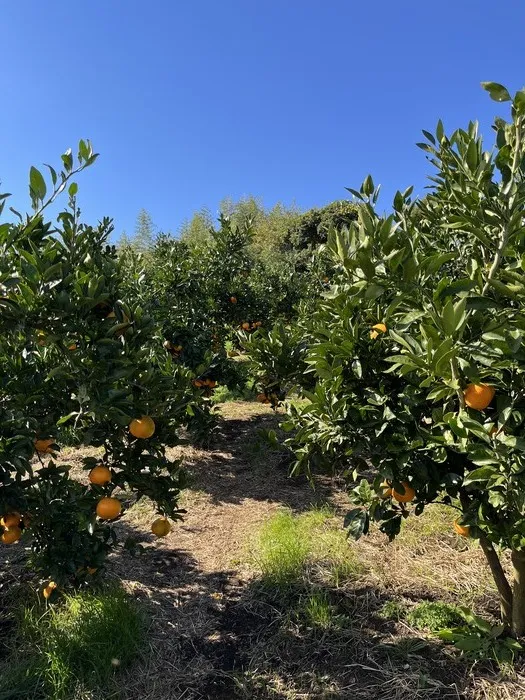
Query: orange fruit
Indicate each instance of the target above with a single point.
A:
(108, 508)
(167, 345)
(44, 446)
(478, 396)
(177, 348)
(72, 347)
(233, 300)
(462, 530)
(262, 398)
(405, 497)
(211, 383)
(377, 329)
(160, 527)
(246, 326)
(142, 427)
(41, 338)
(197, 382)
(48, 590)
(100, 475)
(385, 490)
(10, 520)
(12, 535)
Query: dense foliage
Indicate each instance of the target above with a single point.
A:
(418, 350)
(75, 352)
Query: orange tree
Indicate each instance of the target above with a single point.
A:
(74, 353)
(276, 360)
(203, 293)
(418, 351)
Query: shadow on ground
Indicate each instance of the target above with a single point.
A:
(241, 464)
(214, 637)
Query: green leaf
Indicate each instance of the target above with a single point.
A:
(498, 92)
(373, 291)
(73, 189)
(356, 522)
(519, 101)
(64, 419)
(67, 159)
(368, 186)
(37, 184)
(448, 318)
(481, 474)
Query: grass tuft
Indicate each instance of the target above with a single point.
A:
(283, 551)
(72, 647)
(291, 548)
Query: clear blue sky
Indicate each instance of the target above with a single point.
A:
(291, 100)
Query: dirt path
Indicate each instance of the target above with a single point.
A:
(190, 578)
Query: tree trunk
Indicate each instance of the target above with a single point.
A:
(504, 589)
(518, 604)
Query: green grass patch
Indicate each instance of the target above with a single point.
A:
(434, 616)
(291, 548)
(282, 551)
(435, 521)
(73, 647)
(427, 615)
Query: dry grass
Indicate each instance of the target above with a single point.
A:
(216, 632)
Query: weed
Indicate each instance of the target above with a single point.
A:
(433, 616)
(393, 610)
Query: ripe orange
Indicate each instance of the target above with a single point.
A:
(48, 590)
(377, 329)
(108, 508)
(262, 398)
(160, 527)
(11, 520)
(385, 490)
(100, 475)
(478, 396)
(211, 383)
(246, 326)
(233, 300)
(44, 446)
(72, 347)
(12, 535)
(405, 497)
(462, 530)
(142, 427)
(197, 382)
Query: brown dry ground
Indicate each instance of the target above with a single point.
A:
(215, 634)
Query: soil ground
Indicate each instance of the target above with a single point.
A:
(215, 634)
